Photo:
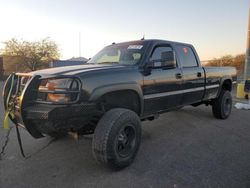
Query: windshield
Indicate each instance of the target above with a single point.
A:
(119, 54)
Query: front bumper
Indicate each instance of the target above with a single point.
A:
(58, 112)
(44, 119)
(32, 115)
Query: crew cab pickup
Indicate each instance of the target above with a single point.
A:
(111, 94)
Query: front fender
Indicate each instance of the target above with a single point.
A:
(100, 91)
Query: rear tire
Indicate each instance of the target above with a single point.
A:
(117, 138)
(222, 106)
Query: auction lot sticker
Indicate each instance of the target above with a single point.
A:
(135, 47)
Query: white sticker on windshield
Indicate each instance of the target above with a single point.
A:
(135, 47)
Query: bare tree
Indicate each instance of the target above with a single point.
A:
(237, 61)
(30, 56)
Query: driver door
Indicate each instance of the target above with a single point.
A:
(161, 88)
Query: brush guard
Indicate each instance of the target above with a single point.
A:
(13, 94)
(21, 93)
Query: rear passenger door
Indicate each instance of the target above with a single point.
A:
(193, 85)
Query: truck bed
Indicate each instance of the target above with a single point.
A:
(214, 76)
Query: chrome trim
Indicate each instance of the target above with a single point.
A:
(173, 93)
(165, 94)
(212, 86)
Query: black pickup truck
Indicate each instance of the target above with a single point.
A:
(112, 93)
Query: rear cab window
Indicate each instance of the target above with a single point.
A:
(186, 56)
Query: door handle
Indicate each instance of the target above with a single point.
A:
(178, 75)
(199, 74)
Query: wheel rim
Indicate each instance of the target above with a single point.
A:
(227, 106)
(126, 139)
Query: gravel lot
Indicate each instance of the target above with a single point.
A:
(186, 148)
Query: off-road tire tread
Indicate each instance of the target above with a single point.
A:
(217, 107)
(104, 130)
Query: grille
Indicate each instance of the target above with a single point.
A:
(52, 90)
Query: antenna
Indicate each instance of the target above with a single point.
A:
(143, 37)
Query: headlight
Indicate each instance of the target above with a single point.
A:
(59, 90)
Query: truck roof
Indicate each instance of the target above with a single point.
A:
(151, 41)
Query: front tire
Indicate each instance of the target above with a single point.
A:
(117, 138)
(222, 106)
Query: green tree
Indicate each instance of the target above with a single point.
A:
(30, 56)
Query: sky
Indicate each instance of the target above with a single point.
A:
(214, 27)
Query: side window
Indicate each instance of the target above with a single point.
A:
(163, 57)
(186, 56)
(161, 53)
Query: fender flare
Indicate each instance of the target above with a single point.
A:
(222, 81)
(133, 86)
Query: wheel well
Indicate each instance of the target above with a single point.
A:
(128, 99)
(227, 85)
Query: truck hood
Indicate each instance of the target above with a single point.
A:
(78, 69)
